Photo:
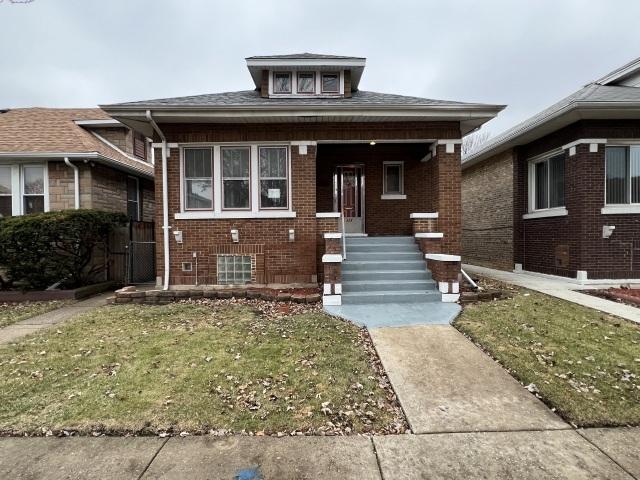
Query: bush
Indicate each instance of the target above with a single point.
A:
(41, 249)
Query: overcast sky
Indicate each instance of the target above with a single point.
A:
(526, 54)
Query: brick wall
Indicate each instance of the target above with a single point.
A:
(276, 259)
(487, 213)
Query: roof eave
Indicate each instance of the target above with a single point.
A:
(572, 112)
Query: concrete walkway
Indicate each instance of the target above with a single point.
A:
(396, 314)
(559, 288)
(13, 332)
(489, 455)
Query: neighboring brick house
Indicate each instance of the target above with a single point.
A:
(257, 181)
(560, 193)
(55, 159)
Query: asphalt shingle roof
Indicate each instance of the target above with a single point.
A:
(591, 93)
(305, 55)
(53, 130)
(252, 98)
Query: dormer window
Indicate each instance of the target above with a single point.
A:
(330, 83)
(282, 82)
(306, 82)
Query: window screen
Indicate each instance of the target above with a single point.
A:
(234, 269)
(198, 179)
(273, 177)
(236, 166)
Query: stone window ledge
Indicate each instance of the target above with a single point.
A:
(549, 212)
(231, 215)
(620, 209)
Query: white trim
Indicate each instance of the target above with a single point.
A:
(110, 122)
(424, 215)
(169, 145)
(228, 214)
(581, 276)
(443, 287)
(584, 140)
(328, 215)
(450, 297)
(455, 287)
(337, 288)
(547, 212)
(332, 235)
(332, 258)
(309, 143)
(450, 145)
(620, 209)
(442, 257)
(326, 289)
(429, 235)
(332, 300)
(393, 196)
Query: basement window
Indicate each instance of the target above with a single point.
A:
(234, 269)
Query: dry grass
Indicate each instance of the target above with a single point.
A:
(11, 313)
(196, 367)
(583, 363)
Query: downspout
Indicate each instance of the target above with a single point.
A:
(165, 200)
(76, 183)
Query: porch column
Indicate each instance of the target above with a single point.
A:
(447, 179)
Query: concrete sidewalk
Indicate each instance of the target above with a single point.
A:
(559, 288)
(500, 455)
(20, 329)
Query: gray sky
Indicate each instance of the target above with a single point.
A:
(527, 54)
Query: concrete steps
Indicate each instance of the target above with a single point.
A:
(384, 270)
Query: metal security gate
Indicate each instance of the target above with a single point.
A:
(141, 262)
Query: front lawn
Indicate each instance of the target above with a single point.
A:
(15, 312)
(194, 367)
(584, 363)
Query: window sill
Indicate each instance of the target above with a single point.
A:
(620, 209)
(550, 212)
(393, 196)
(233, 215)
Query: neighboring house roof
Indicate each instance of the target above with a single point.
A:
(612, 96)
(53, 133)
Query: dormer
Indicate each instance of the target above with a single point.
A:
(306, 75)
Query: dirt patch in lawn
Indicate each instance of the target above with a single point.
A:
(198, 367)
(583, 363)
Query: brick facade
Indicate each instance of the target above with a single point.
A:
(567, 244)
(487, 213)
(101, 187)
(278, 260)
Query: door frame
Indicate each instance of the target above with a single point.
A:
(337, 205)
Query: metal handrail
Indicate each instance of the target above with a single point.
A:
(344, 238)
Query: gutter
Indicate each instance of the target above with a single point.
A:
(165, 200)
(76, 183)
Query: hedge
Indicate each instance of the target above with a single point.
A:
(41, 249)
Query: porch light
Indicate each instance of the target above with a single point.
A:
(372, 142)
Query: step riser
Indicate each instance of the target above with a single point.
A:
(387, 287)
(364, 275)
(383, 248)
(382, 256)
(354, 298)
(374, 240)
(363, 267)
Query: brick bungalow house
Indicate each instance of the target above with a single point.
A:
(560, 193)
(56, 159)
(259, 186)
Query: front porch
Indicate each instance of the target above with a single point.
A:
(383, 209)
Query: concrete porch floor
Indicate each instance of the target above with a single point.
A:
(396, 314)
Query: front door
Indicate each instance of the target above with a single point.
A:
(349, 197)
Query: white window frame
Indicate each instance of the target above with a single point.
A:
(549, 211)
(17, 185)
(260, 207)
(137, 202)
(217, 211)
(306, 72)
(292, 87)
(11, 185)
(339, 77)
(386, 195)
(318, 84)
(222, 179)
(626, 207)
(183, 191)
